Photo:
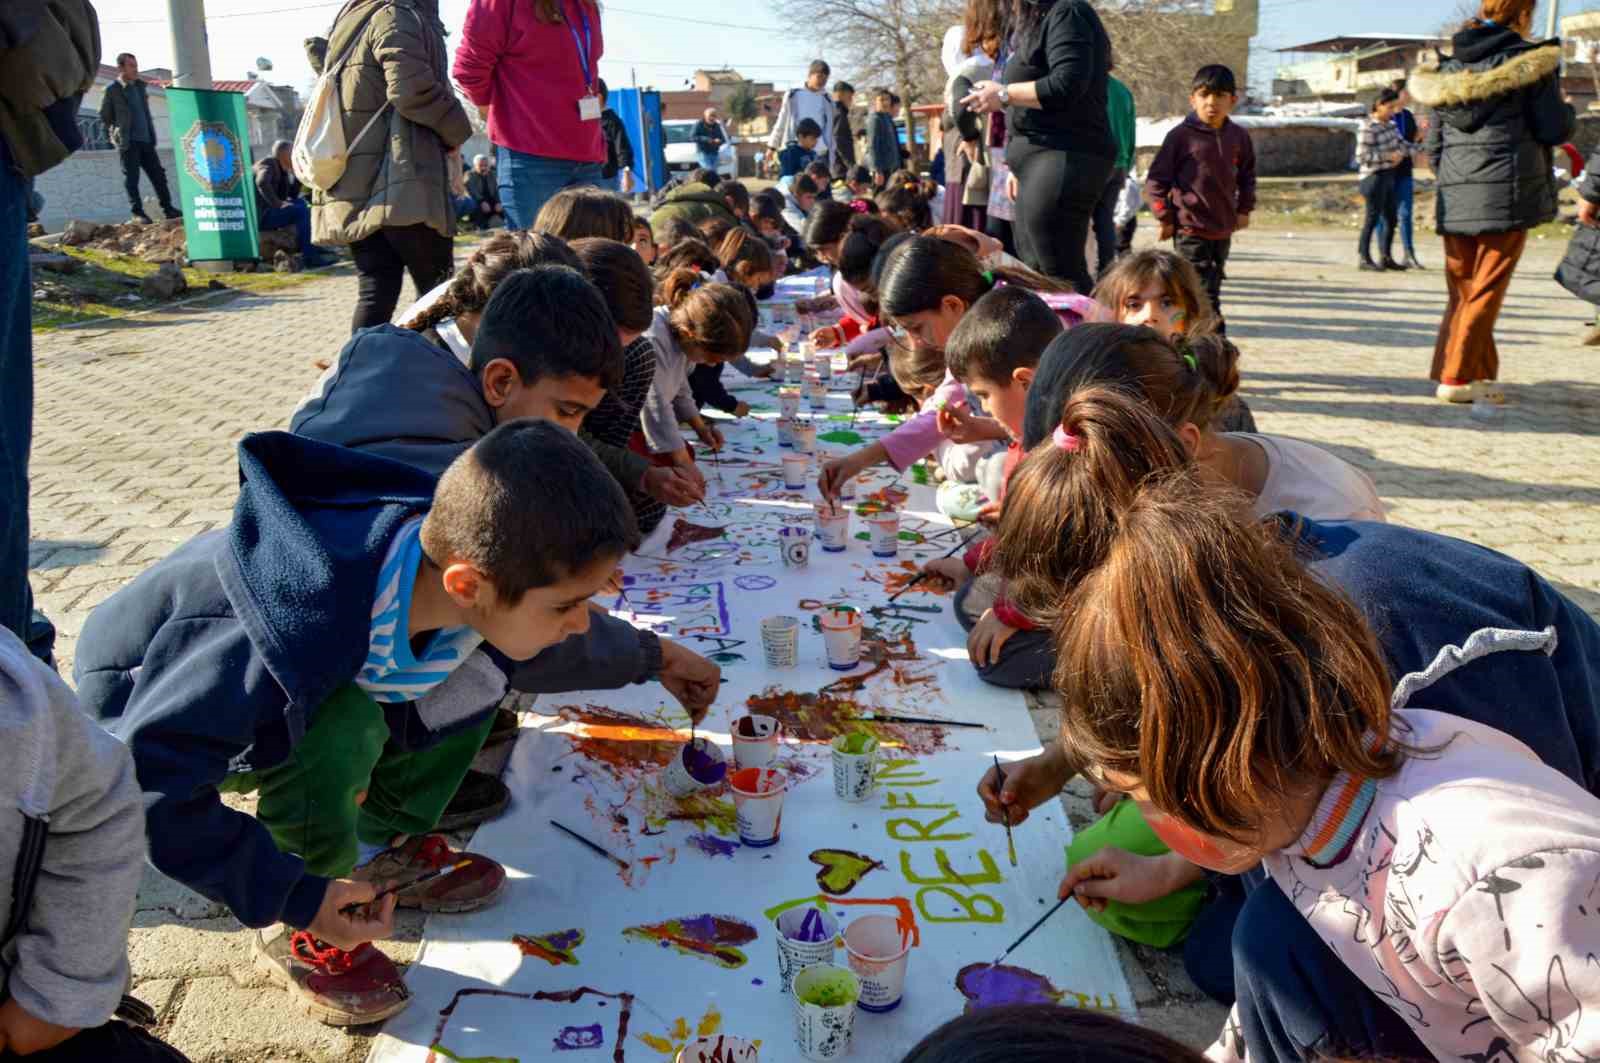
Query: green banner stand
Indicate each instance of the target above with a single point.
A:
(211, 139)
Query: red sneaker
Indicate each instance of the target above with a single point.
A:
(331, 985)
(472, 887)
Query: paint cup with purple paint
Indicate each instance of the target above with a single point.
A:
(788, 401)
(755, 741)
(805, 936)
(823, 363)
(824, 1010)
(795, 467)
(780, 640)
(855, 766)
(785, 431)
(805, 435)
(833, 527)
(878, 949)
(795, 541)
(816, 394)
(718, 1049)
(841, 634)
(758, 804)
(700, 765)
(885, 529)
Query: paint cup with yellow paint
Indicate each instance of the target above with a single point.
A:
(824, 1010)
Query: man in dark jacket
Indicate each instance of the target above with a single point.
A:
(694, 203)
(278, 203)
(483, 189)
(1579, 272)
(125, 110)
(844, 137)
(709, 136)
(49, 53)
(618, 166)
(1498, 112)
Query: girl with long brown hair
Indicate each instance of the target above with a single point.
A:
(1430, 878)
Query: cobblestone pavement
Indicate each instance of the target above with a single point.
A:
(133, 453)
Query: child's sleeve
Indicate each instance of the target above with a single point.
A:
(610, 655)
(72, 953)
(1163, 172)
(1247, 176)
(707, 389)
(1520, 946)
(658, 417)
(917, 438)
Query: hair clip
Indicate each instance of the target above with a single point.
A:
(988, 277)
(1065, 440)
(1186, 351)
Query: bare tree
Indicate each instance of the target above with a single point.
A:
(882, 42)
(1159, 44)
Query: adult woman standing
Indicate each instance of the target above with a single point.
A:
(969, 53)
(402, 122)
(1498, 112)
(534, 67)
(1061, 149)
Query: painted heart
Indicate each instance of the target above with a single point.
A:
(841, 870)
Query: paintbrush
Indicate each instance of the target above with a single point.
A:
(569, 832)
(426, 876)
(1000, 782)
(920, 576)
(1026, 934)
(919, 721)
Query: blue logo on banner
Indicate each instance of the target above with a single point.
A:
(211, 155)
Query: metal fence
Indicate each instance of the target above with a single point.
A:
(95, 137)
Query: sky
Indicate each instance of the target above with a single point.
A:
(662, 42)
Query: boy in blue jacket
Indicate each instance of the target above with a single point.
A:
(302, 652)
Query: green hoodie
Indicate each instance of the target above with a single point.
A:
(1119, 107)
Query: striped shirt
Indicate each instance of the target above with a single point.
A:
(392, 672)
(1376, 144)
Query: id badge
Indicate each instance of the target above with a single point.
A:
(589, 108)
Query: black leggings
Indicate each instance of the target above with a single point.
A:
(114, 1041)
(1056, 195)
(383, 259)
(1379, 190)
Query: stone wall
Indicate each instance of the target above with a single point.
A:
(1291, 150)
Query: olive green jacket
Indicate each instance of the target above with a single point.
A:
(49, 55)
(397, 173)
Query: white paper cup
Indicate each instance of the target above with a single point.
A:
(885, 529)
(718, 1049)
(833, 527)
(755, 741)
(796, 543)
(805, 436)
(758, 804)
(794, 370)
(788, 401)
(816, 395)
(780, 640)
(805, 936)
(855, 766)
(699, 765)
(847, 489)
(794, 471)
(841, 634)
(824, 366)
(785, 431)
(822, 1031)
(878, 951)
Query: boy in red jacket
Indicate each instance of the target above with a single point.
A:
(1202, 184)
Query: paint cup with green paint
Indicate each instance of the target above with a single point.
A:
(885, 528)
(855, 766)
(805, 936)
(824, 1010)
(833, 527)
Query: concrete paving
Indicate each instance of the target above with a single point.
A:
(133, 453)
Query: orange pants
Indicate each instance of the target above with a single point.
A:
(1478, 272)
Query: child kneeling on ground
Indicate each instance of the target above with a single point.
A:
(290, 654)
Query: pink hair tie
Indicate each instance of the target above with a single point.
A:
(1065, 440)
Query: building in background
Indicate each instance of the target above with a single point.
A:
(1347, 69)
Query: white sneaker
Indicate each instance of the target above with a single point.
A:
(1488, 391)
(1456, 392)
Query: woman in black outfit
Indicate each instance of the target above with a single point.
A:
(1061, 149)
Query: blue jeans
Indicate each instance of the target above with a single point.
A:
(527, 181)
(296, 212)
(16, 413)
(1405, 190)
(708, 159)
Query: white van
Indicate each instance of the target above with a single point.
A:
(683, 157)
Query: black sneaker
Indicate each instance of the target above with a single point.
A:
(141, 217)
(1369, 266)
(478, 799)
(172, 213)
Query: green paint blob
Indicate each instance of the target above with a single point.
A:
(910, 537)
(441, 1050)
(844, 437)
(727, 658)
(919, 474)
(831, 990)
(864, 536)
(858, 743)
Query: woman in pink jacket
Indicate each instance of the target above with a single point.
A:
(534, 67)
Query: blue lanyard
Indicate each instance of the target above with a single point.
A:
(583, 47)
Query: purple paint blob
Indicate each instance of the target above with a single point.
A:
(989, 985)
(811, 928)
(699, 927)
(564, 939)
(712, 845)
(703, 768)
(757, 981)
(572, 1037)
